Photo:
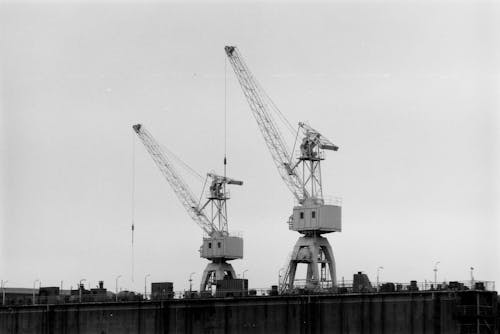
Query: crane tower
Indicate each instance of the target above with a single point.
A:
(312, 217)
(218, 245)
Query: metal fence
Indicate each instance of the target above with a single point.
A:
(417, 286)
(343, 287)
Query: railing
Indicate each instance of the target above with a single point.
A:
(344, 286)
(474, 310)
(300, 287)
(476, 328)
(333, 200)
(419, 286)
(319, 285)
(236, 233)
(225, 195)
(330, 200)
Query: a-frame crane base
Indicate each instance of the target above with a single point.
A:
(216, 270)
(314, 251)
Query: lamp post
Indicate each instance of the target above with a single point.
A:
(191, 281)
(3, 291)
(436, 273)
(378, 275)
(34, 283)
(243, 280)
(80, 288)
(116, 287)
(472, 277)
(145, 289)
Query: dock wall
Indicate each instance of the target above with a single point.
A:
(418, 312)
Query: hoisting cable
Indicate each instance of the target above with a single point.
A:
(133, 201)
(277, 111)
(182, 163)
(294, 144)
(203, 190)
(273, 108)
(225, 118)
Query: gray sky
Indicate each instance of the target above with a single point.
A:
(408, 90)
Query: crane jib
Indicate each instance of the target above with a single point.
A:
(272, 136)
(180, 188)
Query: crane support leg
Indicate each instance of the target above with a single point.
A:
(214, 271)
(327, 250)
(313, 250)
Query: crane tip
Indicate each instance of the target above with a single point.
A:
(229, 50)
(137, 127)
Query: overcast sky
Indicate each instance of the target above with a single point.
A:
(408, 90)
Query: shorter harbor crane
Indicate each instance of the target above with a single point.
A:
(218, 245)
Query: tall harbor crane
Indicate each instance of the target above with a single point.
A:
(218, 245)
(312, 217)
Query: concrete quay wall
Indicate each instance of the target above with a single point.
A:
(417, 312)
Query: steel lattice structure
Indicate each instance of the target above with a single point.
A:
(272, 136)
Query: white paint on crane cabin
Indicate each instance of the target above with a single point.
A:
(223, 247)
(317, 217)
